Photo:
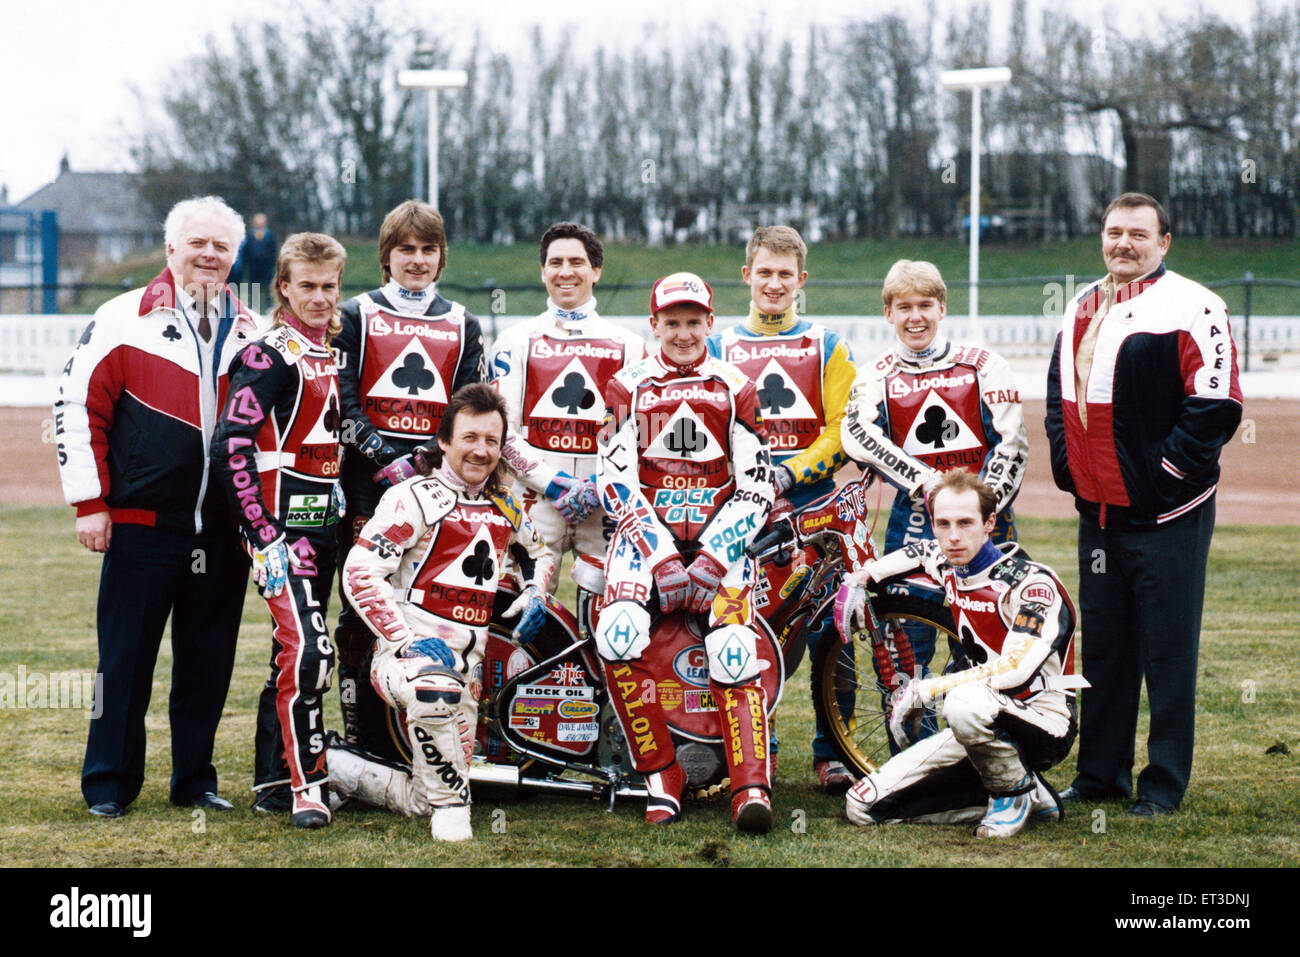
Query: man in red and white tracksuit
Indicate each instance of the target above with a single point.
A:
(276, 454)
(552, 371)
(1011, 713)
(423, 575)
(1142, 394)
(686, 475)
(137, 405)
(403, 351)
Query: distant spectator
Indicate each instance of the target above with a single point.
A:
(255, 264)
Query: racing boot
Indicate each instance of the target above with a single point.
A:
(1007, 814)
(833, 776)
(665, 787)
(1047, 804)
(311, 807)
(743, 712)
(451, 823)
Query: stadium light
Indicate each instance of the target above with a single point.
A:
(983, 78)
(431, 81)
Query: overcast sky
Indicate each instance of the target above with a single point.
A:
(68, 67)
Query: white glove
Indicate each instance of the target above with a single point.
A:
(850, 609)
(784, 479)
(271, 567)
(905, 713)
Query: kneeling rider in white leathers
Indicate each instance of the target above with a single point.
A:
(423, 574)
(1011, 714)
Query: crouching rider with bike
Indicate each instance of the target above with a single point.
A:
(686, 476)
(1011, 713)
(423, 575)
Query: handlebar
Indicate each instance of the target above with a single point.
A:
(781, 533)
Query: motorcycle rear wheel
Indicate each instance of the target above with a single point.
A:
(861, 738)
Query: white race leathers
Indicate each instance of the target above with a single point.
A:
(427, 565)
(552, 371)
(1011, 713)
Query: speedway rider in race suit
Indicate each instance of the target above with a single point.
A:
(275, 451)
(803, 373)
(929, 405)
(1011, 714)
(552, 371)
(423, 574)
(404, 350)
(685, 474)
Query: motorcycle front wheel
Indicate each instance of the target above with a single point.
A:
(849, 696)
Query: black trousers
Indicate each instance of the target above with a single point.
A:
(1141, 593)
(198, 580)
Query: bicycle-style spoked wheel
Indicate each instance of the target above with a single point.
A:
(848, 693)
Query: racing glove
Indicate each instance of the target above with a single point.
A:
(338, 503)
(784, 479)
(705, 574)
(906, 713)
(579, 501)
(432, 647)
(559, 485)
(674, 585)
(377, 450)
(271, 567)
(851, 605)
(397, 471)
(531, 608)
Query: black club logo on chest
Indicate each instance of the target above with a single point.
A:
(775, 396)
(413, 376)
(171, 332)
(331, 418)
(573, 394)
(937, 428)
(685, 439)
(478, 566)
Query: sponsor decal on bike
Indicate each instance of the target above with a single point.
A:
(578, 710)
(698, 702)
(532, 706)
(555, 692)
(692, 666)
(569, 674)
(583, 731)
(525, 722)
(669, 693)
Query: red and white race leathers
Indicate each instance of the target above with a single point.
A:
(427, 565)
(911, 419)
(552, 371)
(1010, 712)
(684, 472)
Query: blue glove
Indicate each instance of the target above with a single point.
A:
(434, 648)
(338, 504)
(271, 567)
(531, 608)
(559, 485)
(578, 502)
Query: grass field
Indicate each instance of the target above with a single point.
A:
(515, 271)
(1243, 808)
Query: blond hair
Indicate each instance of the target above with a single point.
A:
(314, 249)
(777, 239)
(914, 276)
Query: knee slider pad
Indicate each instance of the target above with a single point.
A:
(733, 654)
(623, 633)
(435, 693)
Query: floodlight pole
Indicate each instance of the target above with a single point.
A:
(984, 78)
(431, 81)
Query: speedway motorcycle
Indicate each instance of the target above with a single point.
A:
(545, 720)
